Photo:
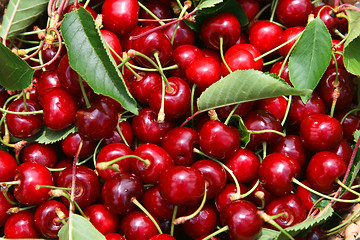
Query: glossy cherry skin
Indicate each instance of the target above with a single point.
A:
(326, 88)
(7, 166)
(204, 223)
(48, 79)
(265, 36)
(184, 55)
(117, 12)
(158, 8)
(251, 7)
(183, 186)
(87, 185)
(244, 164)
(49, 53)
(114, 43)
(142, 88)
(102, 218)
(218, 140)
(184, 34)
(4, 207)
(344, 150)
(177, 98)
(117, 193)
(115, 137)
(114, 236)
(153, 42)
(287, 35)
(350, 124)
(137, 226)
(214, 174)
(203, 71)
(111, 152)
(162, 237)
(71, 143)
(276, 172)
(40, 153)
(293, 12)
(147, 129)
(242, 219)
(46, 219)
(237, 60)
(320, 132)
(98, 121)
(222, 25)
(23, 126)
(305, 196)
(21, 225)
(276, 105)
(258, 120)
(323, 170)
(59, 108)
(30, 175)
(284, 73)
(292, 206)
(251, 49)
(224, 198)
(260, 197)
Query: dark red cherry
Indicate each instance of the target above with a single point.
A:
(344, 150)
(30, 176)
(23, 126)
(260, 196)
(182, 186)
(48, 55)
(276, 172)
(323, 170)
(60, 166)
(276, 105)
(251, 7)
(44, 154)
(114, 43)
(203, 71)
(242, 219)
(211, 53)
(87, 185)
(59, 108)
(115, 137)
(48, 79)
(4, 207)
(137, 226)
(147, 129)
(305, 196)
(159, 9)
(320, 132)
(284, 73)
(287, 35)
(117, 193)
(293, 12)
(184, 55)
(21, 225)
(251, 49)
(142, 88)
(117, 12)
(7, 166)
(70, 145)
(225, 197)
(350, 124)
(47, 220)
(184, 34)
(237, 60)
(222, 25)
(292, 207)
(102, 218)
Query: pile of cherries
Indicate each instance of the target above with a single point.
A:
(165, 174)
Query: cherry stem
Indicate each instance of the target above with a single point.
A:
(267, 131)
(344, 224)
(86, 3)
(294, 180)
(56, 169)
(273, 217)
(221, 230)
(266, 218)
(251, 190)
(273, 61)
(138, 204)
(222, 54)
(151, 13)
(73, 180)
(287, 110)
(150, 69)
(172, 220)
(14, 210)
(182, 13)
(37, 187)
(122, 135)
(9, 184)
(192, 104)
(347, 188)
(4, 192)
(181, 220)
(86, 99)
(72, 203)
(273, 9)
(231, 114)
(105, 165)
(264, 145)
(21, 113)
(260, 195)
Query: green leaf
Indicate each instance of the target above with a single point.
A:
(351, 57)
(243, 86)
(49, 136)
(81, 228)
(356, 135)
(268, 234)
(208, 4)
(354, 27)
(15, 73)
(244, 133)
(90, 58)
(21, 14)
(311, 56)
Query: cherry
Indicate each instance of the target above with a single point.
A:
(4, 207)
(177, 98)
(158, 8)
(99, 120)
(276, 172)
(40, 153)
(137, 226)
(87, 185)
(115, 137)
(350, 124)
(62, 164)
(48, 79)
(59, 108)
(244, 164)
(242, 219)
(344, 150)
(251, 49)
(203, 223)
(305, 196)
(30, 176)
(21, 225)
(114, 43)
(284, 73)
(203, 71)
(211, 53)
(184, 34)
(325, 12)
(237, 60)
(182, 186)
(117, 193)
(111, 152)
(23, 126)
(338, 57)
(323, 170)
(222, 25)
(183, 55)
(142, 88)
(214, 174)
(251, 7)
(70, 145)
(224, 198)
(292, 208)
(320, 132)
(114, 236)
(287, 35)
(46, 218)
(73, 7)
(49, 53)
(162, 237)
(265, 36)
(102, 218)
(117, 12)
(276, 105)
(293, 12)
(241, 110)
(7, 166)
(260, 196)
(147, 129)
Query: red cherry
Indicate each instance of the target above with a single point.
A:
(48, 79)
(115, 137)
(276, 105)
(70, 145)
(158, 8)
(114, 236)
(224, 197)
(287, 35)
(251, 49)
(305, 196)
(184, 55)
(338, 57)
(44, 154)
(142, 88)
(162, 237)
(325, 12)
(203, 71)
(73, 7)
(4, 207)
(349, 125)
(284, 73)
(344, 150)
(7, 167)
(184, 34)
(114, 43)
(251, 7)
(49, 53)
(102, 218)
(241, 110)
(293, 12)
(237, 60)
(137, 226)
(21, 225)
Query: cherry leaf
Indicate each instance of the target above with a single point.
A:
(243, 86)
(208, 4)
(310, 57)
(90, 58)
(268, 234)
(352, 44)
(21, 14)
(237, 121)
(15, 73)
(48, 136)
(81, 228)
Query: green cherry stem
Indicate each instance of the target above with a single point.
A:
(273, 9)
(192, 105)
(106, 165)
(151, 69)
(95, 152)
(221, 230)
(230, 114)
(182, 13)
(21, 113)
(222, 54)
(122, 135)
(151, 13)
(138, 204)
(86, 99)
(267, 131)
(172, 220)
(347, 188)
(4, 192)
(287, 110)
